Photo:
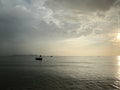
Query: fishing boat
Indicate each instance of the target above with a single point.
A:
(39, 58)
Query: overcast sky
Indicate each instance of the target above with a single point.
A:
(59, 27)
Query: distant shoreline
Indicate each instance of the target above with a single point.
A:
(55, 56)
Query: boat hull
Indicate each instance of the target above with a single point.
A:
(38, 58)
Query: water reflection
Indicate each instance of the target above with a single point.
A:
(118, 58)
(76, 73)
(117, 81)
(118, 67)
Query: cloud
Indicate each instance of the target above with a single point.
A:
(117, 3)
(83, 17)
(25, 21)
(67, 18)
(86, 5)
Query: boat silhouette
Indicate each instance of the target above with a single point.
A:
(39, 58)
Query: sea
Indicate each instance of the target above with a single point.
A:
(60, 73)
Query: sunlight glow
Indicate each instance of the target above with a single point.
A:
(118, 36)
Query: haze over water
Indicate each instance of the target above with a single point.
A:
(60, 28)
(59, 73)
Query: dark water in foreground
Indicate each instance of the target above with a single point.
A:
(59, 73)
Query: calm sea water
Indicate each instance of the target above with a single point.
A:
(59, 73)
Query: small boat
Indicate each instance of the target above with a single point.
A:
(38, 58)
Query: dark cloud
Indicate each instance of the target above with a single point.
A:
(86, 5)
(22, 27)
(117, 3)
(29, 1)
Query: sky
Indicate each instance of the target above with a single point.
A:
(60, 27)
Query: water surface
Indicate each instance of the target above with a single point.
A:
(59, 73)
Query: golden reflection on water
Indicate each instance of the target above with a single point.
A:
(118, 58)
(117, 81)
(118, 63)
